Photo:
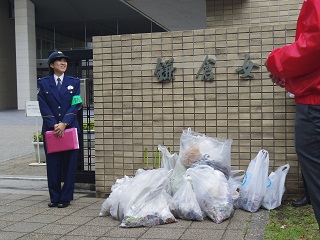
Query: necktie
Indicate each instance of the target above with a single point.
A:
(59, 83)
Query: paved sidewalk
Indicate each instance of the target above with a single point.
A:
(24, 213)
(16, 133)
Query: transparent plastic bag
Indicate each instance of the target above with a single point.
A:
(212, 192)
(142, 184)
(206, 160)
(275, 188)
(253, 188)
(193, 146)
(176, 179)
(153, 210)
(198, 149)
(136, 189)
(168, 160)
(235, 181)
(117, 190)
(184, 204)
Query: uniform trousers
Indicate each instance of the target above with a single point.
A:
(61, 166)
(307, 144)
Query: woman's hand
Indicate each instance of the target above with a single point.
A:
(59, 129)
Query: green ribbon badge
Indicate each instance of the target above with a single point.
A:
(76, 100)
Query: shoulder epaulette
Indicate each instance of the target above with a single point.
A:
(71, 77)
(46, 77)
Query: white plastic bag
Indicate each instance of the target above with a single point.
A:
(117, 190)
(176, 179)
(198, 149)
(235, 181)
(184, 204)
(206, 160)
(212, 192)
(276, 188)
(194, 146)
(153, 210)
(136, 189)
(168, 160)
(253, 188)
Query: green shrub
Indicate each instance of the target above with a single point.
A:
(40, 136)
(88, 125)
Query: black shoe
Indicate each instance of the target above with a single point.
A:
(51, 204)
(302, 202)
(63, 204)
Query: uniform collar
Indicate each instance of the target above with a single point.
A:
(56, 77)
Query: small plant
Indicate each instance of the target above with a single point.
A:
(157, 157)
(287, 222)
(88, 125)
(40, 137)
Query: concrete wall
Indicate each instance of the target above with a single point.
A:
(8, 81)
(223, 13)
(25, 34)
(134, 111)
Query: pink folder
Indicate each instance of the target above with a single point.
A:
(58, 144)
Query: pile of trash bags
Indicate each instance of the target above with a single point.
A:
(195, 184)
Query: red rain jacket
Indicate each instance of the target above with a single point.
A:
(299, 63)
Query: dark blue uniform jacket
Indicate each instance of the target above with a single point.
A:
(55, 106)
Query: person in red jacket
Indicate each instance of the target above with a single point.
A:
(297, 68)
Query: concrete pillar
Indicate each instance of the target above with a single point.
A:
(8, 84)
(25, 52)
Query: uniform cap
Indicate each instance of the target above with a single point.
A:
(56, 55)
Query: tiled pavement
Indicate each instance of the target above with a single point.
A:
(24, 213)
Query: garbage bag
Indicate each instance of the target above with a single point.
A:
(141, 185)
(168, 160)
(176, 179)
(117, 190)
(275, 188)
(153, 210)
(235, 181)
(193, 146)
(253, 188)
(196, 148)
(212, 192)
(206, 160)
(122, 197)
(184, 204)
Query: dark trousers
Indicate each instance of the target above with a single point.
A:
(307, 143)
(61, 165)
(306, 193)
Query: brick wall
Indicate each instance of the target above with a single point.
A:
(134, 111)
(223, 13)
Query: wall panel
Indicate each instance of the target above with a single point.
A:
(134, 111)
